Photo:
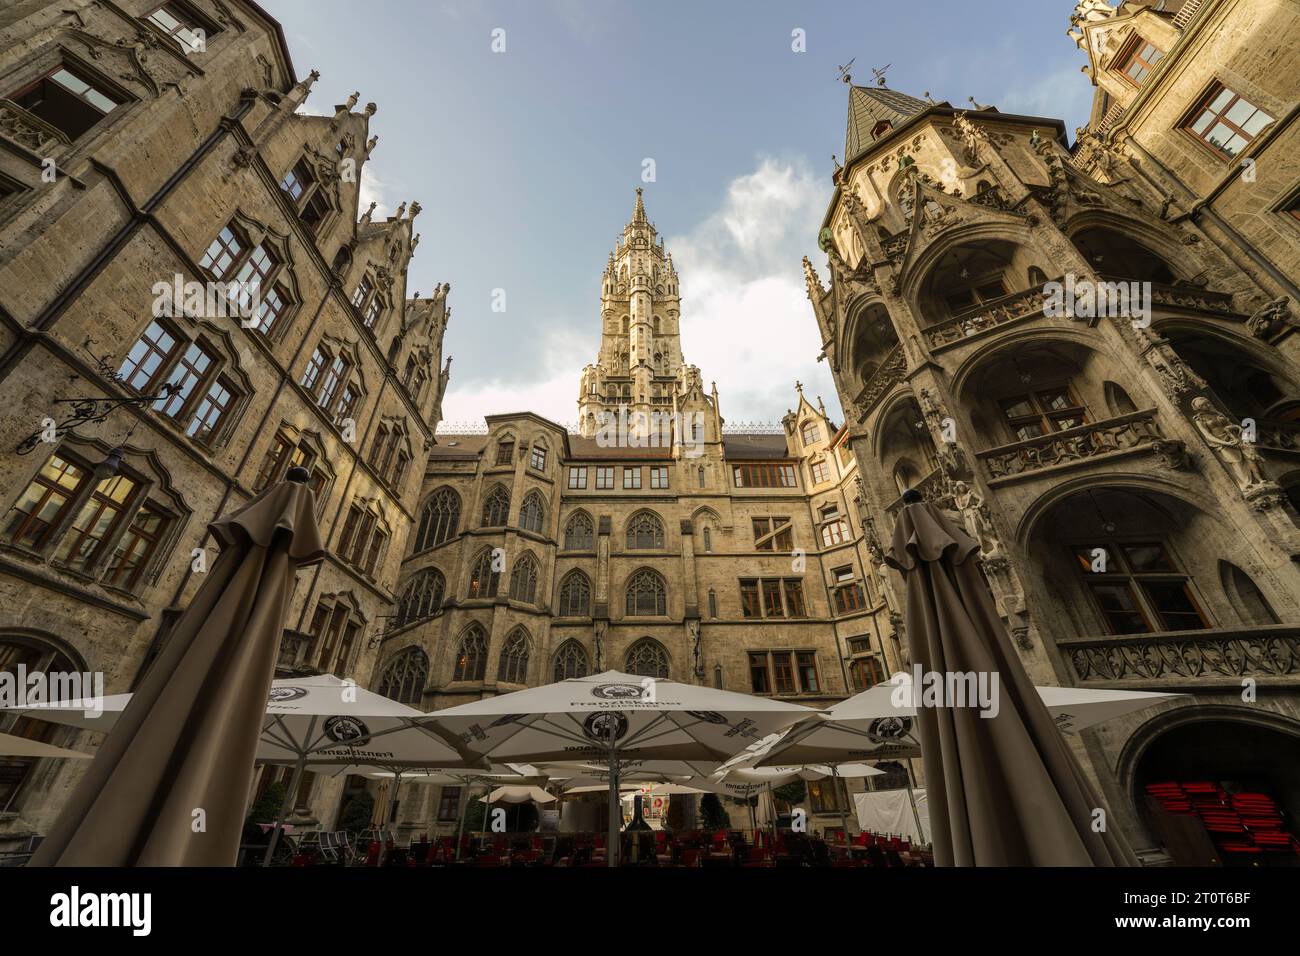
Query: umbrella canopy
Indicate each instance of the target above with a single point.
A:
(11, 746)
(518, 795)
(587, 718)
(609, 717)
(189, 735)
(322, 719)
(880, 723)
(1003, 786)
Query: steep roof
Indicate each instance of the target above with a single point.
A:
(868, 105)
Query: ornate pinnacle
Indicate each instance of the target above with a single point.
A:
(638, 214)
(815, 290)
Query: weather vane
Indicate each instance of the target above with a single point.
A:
(880, 74)
(844, 72)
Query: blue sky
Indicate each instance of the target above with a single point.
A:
(526, 161)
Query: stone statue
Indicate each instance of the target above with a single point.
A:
(975, 516)
(1271, 318)
(1239, 455)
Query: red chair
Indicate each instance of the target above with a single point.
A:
(690, 857)
(372, 853)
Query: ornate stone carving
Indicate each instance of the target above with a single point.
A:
(1238, 455)
(28, 131)
(1074, 444)
(975, 516)
(973, 323)
(1223, 653)
(1271, 319)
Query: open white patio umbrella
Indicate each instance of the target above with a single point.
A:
(14, 746)
(514, 794)
(608, 717)
(880, 723)
(309, 720)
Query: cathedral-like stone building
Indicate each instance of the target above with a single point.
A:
(145, 146)
(654, 542)
(1127, 455)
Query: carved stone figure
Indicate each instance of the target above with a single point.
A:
(975, 516)
(1271, 318)
(1240, 457)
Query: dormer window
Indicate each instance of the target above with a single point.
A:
(1138, 59)
(69, 99)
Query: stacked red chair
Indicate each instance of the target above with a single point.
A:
(1244, 825)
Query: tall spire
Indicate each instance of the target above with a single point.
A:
(638, 214)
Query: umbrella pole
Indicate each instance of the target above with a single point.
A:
(844, 820)
(390, 798)
(289, 797)
(460, 827)
(615, 812)
(911, 798)
(771, 799)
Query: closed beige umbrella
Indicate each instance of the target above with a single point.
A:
(169, 785)
(1004, 790)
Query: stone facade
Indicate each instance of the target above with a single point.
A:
(1133, 483)
(129, 157)
(541, 554)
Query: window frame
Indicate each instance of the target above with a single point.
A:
(1203, 105)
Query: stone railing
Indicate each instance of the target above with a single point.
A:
(890, 373)
(1185, 13)
(294, 646)
(987, 315)
(1279, 436)
(1187, 656)
(1081, 443)
(1189, 297)
(28, 131)
(895, 246)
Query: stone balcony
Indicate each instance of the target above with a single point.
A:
(1216, 657)
(295, 647)
(28, 131)
(889, 373)
(985, 317)
(1135, 433)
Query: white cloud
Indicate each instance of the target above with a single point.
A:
(554, 396)
(372, 188)
(746, 320)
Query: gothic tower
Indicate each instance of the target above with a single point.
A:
(640, 356)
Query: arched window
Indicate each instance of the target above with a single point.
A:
(571, 661)
(699, 472)
(523, 580)
(37, 657)
(1037, 277)
(405, 675)
(575, 595)
(578, 533)
(422, 596)
(496, 507)
(532, 513)
(439, 519)
(484, 577)
(513, 666)
(647, 658)
(646, 595)
(471, 655)
(645, 532)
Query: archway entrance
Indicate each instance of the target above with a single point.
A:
(1237, 782)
